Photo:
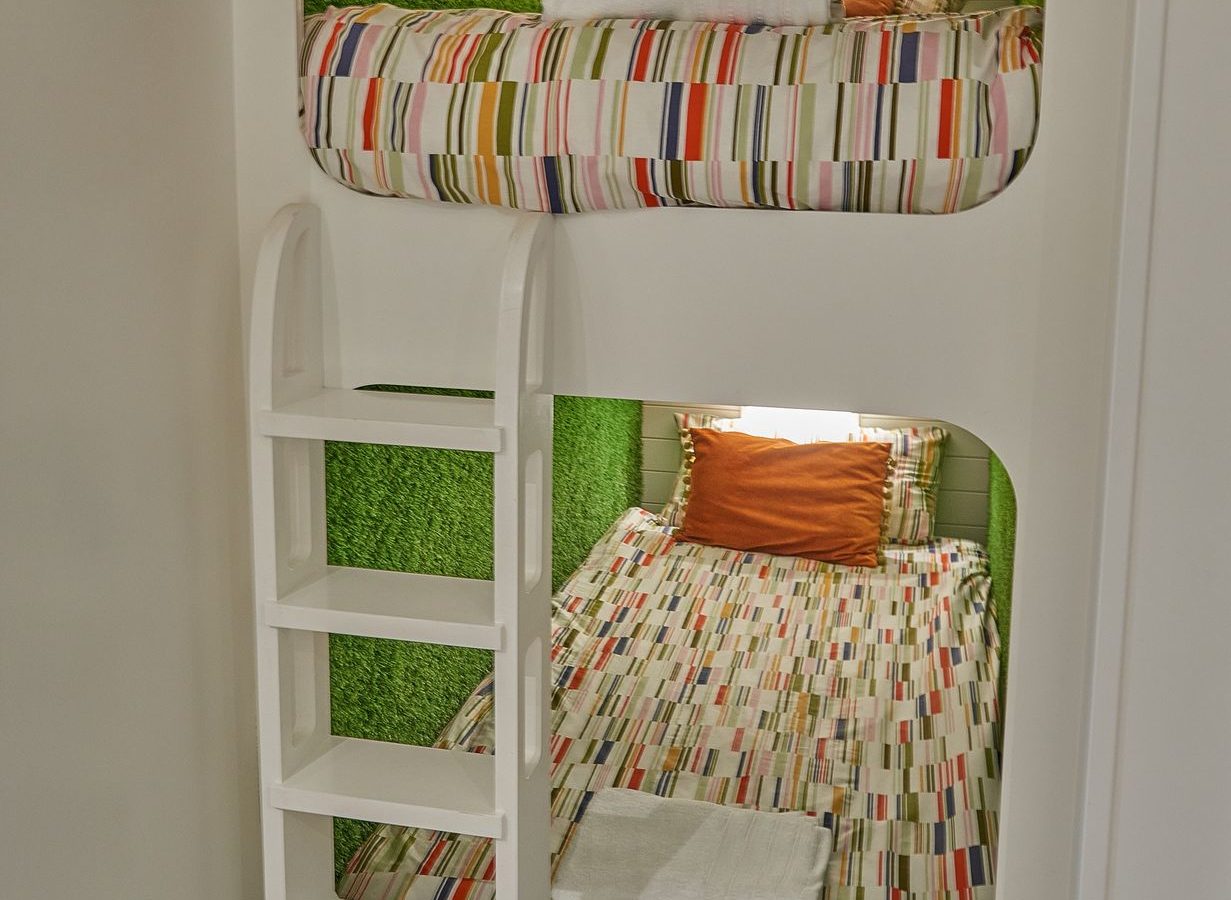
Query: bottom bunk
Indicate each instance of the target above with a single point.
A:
(864, 696)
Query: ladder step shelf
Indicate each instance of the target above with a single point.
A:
(387, 417)
(396, 784)
(400, 606)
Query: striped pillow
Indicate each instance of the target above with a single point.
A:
(917, 454)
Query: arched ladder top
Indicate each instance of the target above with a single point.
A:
(525, 291)
(284, 355)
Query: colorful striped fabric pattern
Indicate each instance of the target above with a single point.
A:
(915, 480)
(905, 114)
(866, 697)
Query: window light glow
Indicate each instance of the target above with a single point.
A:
(800, 425)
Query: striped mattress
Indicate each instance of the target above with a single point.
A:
(864, 696)
(903, 114)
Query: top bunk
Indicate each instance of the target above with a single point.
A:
(932, 113)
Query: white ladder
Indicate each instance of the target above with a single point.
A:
(307, 774)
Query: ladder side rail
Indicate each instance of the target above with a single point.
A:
(523, 565)
(288, 540)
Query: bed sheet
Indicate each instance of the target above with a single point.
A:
(866, 697)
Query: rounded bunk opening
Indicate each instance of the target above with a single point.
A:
(760, 679)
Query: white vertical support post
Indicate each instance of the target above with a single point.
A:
(523, 566)
(288, 534)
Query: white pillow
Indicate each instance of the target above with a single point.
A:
(769, 12)
(803, 426)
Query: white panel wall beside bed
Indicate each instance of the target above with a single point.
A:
(996, 319)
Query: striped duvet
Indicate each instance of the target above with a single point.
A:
(864, 696)
(905, 114)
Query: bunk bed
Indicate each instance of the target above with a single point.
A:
(387, 290)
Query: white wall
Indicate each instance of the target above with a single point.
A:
(1172, 819)
(126, 752)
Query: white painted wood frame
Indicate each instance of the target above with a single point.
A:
(309, 775)
(1149, 31)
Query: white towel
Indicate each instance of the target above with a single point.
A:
(769, 12)
(636, 846)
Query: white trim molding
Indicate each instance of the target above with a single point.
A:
(1148, 39)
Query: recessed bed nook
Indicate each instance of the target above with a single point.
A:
(866, 697)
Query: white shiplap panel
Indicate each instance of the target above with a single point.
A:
(962, 531)
(660, 454)
(656, 487)
(660, 448)
(964, 473)
(961, 508)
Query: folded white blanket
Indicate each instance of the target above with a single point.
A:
(770, 12)
(636, 846)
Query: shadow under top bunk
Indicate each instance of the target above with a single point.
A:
(900, 114)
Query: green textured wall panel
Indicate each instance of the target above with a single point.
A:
(418, 510)
(1001, 541)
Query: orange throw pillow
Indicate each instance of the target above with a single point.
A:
(869, 7)
(822, 501)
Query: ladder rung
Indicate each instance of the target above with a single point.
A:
(444, 790)
(396, 605)
(386, 417)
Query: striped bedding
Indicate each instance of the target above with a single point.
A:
(864, 696)
(903, 114)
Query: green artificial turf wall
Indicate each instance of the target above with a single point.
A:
(1001, 541)
(418, 510)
